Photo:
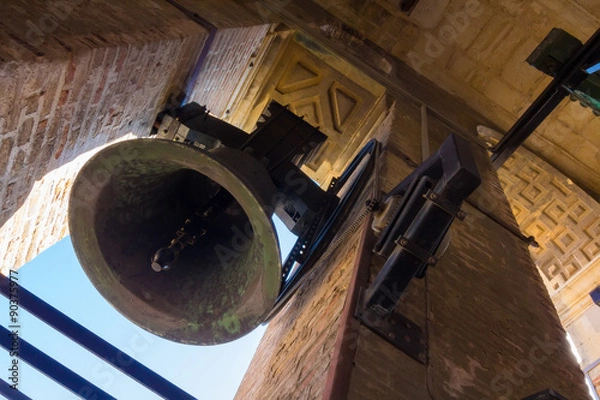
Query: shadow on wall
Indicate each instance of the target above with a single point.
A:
(72, 81)
(48, 124)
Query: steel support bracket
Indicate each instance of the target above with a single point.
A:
(431, 199)
(417, 251)
(573, 73)
(396, 329)
(450, 208)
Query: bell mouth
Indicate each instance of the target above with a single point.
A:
(131, 198)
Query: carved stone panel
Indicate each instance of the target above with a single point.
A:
(329, 93)
(566, 223)
(563, 219)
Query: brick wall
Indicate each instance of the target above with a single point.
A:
(566, 223)
(491, 328)
(232, 58)
(74, 79)
(486, 338)
(296, 352)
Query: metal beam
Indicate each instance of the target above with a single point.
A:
(52, 368)
(93, 343)
(11, 393)
(570, 76)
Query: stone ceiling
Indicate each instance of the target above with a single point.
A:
(476, 50)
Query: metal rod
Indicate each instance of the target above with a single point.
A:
(592, 388)
(516, 232)
(317, 246)
(93, 343)
(425, 150)
(570, 76)
(10, 393)
(51, 368)
(592, 366)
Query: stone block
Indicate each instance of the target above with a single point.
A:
(576, 117)
(505, 96)
(25, 131)
(468, 18)
(462, 67)
(591, 131)
(517, 72)
(6, 146)
(496, 42)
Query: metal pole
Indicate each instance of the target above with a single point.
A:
(93, 343)
(52, 368)
(588, 379)
(10, 393)
(571, 75)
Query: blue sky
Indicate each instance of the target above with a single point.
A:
(55, 275)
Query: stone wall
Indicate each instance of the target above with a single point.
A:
(75, 78)
(230, 62)
(491, 329)
(296, 353)
(566, 223)
(486, 339)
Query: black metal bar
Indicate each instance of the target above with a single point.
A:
(424, 226)
(397, 330)
(408, 208)
(331, 222)
(51, 368)
(93, 343)
(570, 76)
(11, 393)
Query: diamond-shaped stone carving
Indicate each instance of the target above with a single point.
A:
(532, 193)
(556, 211)
(562, 218)
(566, 241)
(579, 211)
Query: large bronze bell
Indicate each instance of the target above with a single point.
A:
(132, 203)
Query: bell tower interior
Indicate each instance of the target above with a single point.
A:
(493, 312)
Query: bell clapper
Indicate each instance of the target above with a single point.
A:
(165, 258)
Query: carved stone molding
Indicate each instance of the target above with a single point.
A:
(561, 216)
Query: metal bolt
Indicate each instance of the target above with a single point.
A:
(391, 335)
(433, 196)
(403, 242)
(432, 261)
(461, 214)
